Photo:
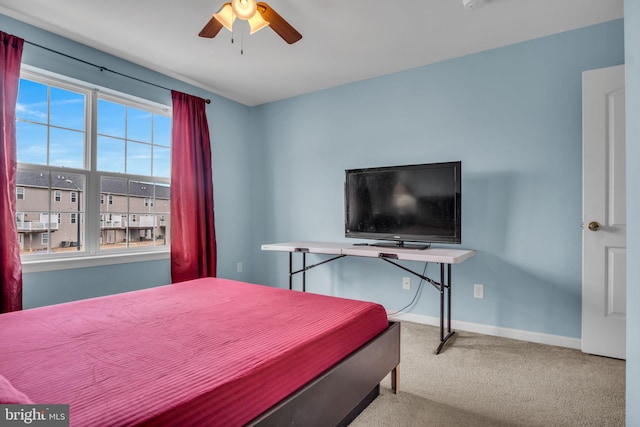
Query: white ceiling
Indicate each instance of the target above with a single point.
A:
(343, 40)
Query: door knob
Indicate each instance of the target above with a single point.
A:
(594, 226)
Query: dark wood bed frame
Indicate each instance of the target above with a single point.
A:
(336, 397)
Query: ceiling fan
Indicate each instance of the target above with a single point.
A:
(259, 15)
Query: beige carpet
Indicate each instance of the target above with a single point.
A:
(481, 380)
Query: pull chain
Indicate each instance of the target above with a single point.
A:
(232, 20)
(241, 39)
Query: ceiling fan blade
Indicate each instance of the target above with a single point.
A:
(278, 24)
(211, 29)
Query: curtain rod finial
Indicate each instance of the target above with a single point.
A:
(208, 101)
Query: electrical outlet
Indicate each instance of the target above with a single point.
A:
(406, 283)
(239, 267)
(478, 291)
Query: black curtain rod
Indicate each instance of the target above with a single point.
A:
(101, 68)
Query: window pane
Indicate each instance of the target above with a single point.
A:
(162, 203)
(67, 109)
(41, 230)
(139, 192)
(133, 220)
(66, 148)
(38, 184)
(69, 234)
(162, 206)
(113, 215)
(115, 191)
(50, 124)
(31, 143)
(110, 154)
(111, 118)
(162, 130)
(31, 226)
(138, 158)
(113, 230)
(33, 212)
(32, 101)
(163, 229)
(146, 227)
(161, 162)
(138, 124)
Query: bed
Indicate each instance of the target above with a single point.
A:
(205, 352)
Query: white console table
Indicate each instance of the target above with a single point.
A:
(442, 256)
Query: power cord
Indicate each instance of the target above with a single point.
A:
(416, 295)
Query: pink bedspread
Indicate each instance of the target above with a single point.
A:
(205, 352)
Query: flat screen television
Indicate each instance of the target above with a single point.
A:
(399, 204)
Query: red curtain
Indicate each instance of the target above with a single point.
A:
(11, 274)
(193, 237)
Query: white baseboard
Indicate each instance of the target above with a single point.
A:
(497, 331)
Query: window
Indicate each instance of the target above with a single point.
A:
(130, 146)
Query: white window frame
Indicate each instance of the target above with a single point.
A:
(21, 193)
(91, 255)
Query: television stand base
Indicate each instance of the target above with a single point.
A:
(402, 245)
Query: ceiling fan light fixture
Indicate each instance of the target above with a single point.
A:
(225, 16)
(259, 15)
(472, 4)
(244, 9)
(257, 22)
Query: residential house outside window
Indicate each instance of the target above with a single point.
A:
(128, 142)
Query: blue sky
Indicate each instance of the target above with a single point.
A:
(130, 140)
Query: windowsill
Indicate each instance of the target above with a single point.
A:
(37, 266)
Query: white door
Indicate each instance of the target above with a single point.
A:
(604, 253)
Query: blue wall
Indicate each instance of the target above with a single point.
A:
(512, 115)
(231, 151)
(632, 61)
